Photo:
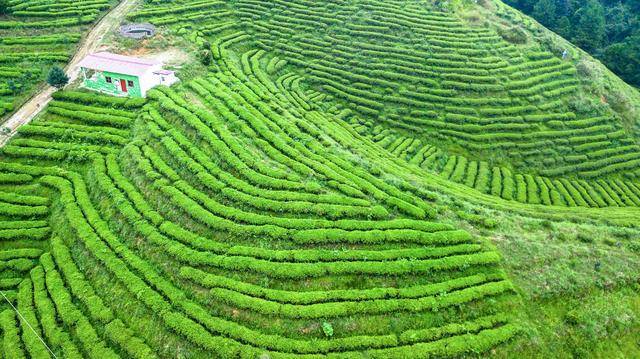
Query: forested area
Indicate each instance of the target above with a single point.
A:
(608, 29)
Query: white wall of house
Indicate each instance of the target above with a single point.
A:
(150, 80)
(167, 80)
(147, 81)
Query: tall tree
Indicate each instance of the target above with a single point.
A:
(621, 21)
(563, 27)
(623, 58)
(590, 26)
(57, 78)
(545, 11)
(4, 7)
(565, 7)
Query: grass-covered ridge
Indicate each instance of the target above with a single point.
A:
(341, 179)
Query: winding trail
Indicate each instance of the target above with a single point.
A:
(88, 44)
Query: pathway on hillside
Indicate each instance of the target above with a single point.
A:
(89, 44)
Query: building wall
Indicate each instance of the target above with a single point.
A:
(98, 82)
(148, 80)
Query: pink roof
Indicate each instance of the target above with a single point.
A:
(164, 72)
(106, 61)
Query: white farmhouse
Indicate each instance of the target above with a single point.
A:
(123, 75)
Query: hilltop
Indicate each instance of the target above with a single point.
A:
(330, 178)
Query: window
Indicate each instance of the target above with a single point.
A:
(109, 80)
(130, 83)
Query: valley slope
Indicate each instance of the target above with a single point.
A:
(330, 178)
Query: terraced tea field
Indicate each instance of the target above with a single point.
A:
(221, 183)
(501, 182)
(38, 34)
(445, 84)
(342, 179)
(441, 79)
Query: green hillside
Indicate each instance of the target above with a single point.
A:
(443, 94)
(36, 35)
(607, 29)
(346, 179)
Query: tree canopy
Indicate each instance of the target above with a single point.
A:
(57, 78)
(4, 7)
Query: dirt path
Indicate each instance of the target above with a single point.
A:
(89, 44)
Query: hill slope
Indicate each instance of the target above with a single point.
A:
(344, 179)
(456, 98)
(36, 35)
(608, 30)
